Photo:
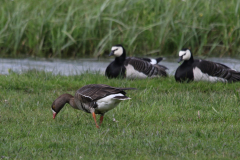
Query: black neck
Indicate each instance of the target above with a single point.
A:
(190, 61)
(121, 59)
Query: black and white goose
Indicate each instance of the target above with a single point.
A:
(133, 67)
(202, 70)
(93, 98)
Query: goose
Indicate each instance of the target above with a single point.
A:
(93, 98)
(203, 70)
(133, 67)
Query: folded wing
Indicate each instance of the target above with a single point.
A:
(94, 92)
(219, 70)
(146, 67)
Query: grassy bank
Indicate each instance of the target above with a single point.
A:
(164, 119)
(63, 28)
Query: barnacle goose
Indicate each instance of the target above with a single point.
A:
(93, 98)
(133, 67)
(203, 70)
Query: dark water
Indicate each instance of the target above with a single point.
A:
(78, 66)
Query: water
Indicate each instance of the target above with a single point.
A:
(78, 66)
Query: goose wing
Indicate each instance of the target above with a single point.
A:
(151, 60)
(162, 66)
(94, 92)
(219, 70)
(146, 67)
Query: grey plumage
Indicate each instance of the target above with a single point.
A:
(146, 68)
(87, 96)
(133, 67)
(219, 70)
(202, 70)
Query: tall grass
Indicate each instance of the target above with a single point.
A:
(163, 120)
(62, 28)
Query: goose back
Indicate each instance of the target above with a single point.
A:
(219, 70)
(136, 68)
(87, 97)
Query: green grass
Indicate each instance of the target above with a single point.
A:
(161, 120)
(76, 28)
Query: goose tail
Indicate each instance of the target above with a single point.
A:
(159, 59)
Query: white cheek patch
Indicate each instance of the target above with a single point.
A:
(200, 76)
(186, 55)
(118, 51)
(114, 48)
(181, 53)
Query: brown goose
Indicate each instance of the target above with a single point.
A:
(93, 98)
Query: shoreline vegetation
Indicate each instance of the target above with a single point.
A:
(163, 120)
(76, 28)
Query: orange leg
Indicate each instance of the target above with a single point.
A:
(94, 117)
(101, 119)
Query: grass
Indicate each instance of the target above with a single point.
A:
(164, 119)
(76, 28)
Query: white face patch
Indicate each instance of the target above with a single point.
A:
(186, 55)
(181, 53)
(118, 51)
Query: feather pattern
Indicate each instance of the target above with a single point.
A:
(86, 98)
(154, 61)
(97, 91)
(93, 98)
(150, 60)
(203, 70)
(133, 67)
(146, 67)
(219, 70)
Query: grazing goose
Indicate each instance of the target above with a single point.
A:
(133, 67)
(93, 98)
(202, 70)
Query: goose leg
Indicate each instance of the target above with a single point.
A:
(101, 119)
(94, 117)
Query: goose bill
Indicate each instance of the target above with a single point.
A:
(54, 114)
(111, 53)
(180, 59)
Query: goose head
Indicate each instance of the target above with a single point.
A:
(184, 55)
(59, 103)
(117, 51)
